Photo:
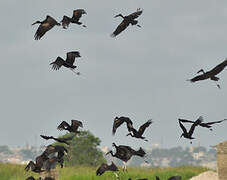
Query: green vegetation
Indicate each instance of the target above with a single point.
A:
(16, 172)
(83, 150)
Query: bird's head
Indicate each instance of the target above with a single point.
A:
(113, 144)
(116, 118)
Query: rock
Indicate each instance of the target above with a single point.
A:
(208, 175)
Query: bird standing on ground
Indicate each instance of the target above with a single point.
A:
(37, 166)
(75, 124)
(210, 74)
(127, 20)
(139, 133)
(45, 26)
(188, 134)
(68, 63)
(77, 14)
(203, 124)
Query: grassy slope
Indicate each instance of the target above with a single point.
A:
(16, 172)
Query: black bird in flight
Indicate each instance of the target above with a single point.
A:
(118, 121)
(45, 26)
(127, 20)
(60, 140)
(105, 167)
(139, 133)
(125, 153)
(188, 134)
(210, 74)
(77, 14)
(75, 124)
(203, 124)
(68, 63)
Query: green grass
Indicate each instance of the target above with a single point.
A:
(16, 172)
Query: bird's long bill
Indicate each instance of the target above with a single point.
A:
(34, 23)
(108, 153)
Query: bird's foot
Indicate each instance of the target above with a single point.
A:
(84, 26)
(138, 26)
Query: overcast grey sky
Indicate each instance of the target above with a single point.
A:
(140, 74)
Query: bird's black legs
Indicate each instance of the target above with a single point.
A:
(138, 26)
(84, 26)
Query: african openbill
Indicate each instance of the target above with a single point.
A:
(125, 153)
(37, 166)
(210, 74)
(203, 124)
(77, 14)
(139, 133)
(75, 124)
(45, 26)
(105, 167)
(60, 140)
(127, 20)
(68, 63)
(188, 134)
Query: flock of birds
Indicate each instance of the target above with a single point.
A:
(55, 154)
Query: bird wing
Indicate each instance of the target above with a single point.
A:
(46, 137)
(31, 165)
(121, 27)
(196, 123)
(144, 126)
(185, 120)
(78, 13)
(71, 57)
(75, 124)
(48, 24)
(65, 21)
(117, 123)
(183, 128)
(63, 126)
(57, 63)
(217, 69)
(214, 122)
(136, 14)
(101, 169)
(129, 124)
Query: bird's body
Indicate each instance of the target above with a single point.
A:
(125, 153)
(127, 20)
(203, 124)
(171, 178)
(77, 14)
(68, 63)
(60, 140)
(45, 26)
(139, 133)
(37, 166)
(210, 74)
(75, 124)
(188, 134)
(105, 167)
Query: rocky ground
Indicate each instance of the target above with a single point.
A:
(209, 175)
